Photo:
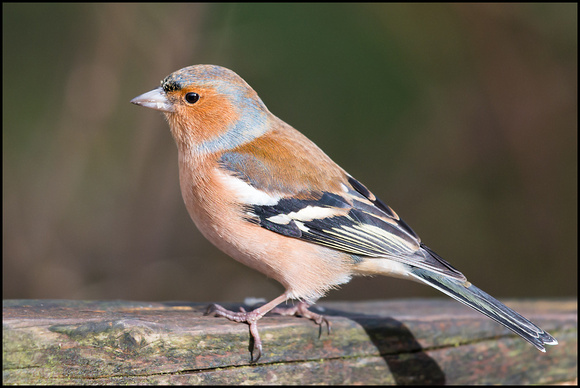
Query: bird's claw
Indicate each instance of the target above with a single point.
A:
(301, 309)
(256, 346)
(319, 323)
(242, 317)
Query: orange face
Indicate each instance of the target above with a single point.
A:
(212, 109)
(200, 114)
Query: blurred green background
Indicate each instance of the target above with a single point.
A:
(463, 118)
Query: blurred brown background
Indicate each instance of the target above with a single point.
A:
(463, 118)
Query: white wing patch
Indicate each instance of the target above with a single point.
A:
(245, 193)
(308, 213)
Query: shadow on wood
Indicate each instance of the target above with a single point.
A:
(417, 368)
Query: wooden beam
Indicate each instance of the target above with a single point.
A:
(415, 341)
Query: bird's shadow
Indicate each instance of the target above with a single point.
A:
(404, 356)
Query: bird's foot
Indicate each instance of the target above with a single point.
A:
(301, 309)
(251, 318)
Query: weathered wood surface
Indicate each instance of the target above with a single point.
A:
(384, 342)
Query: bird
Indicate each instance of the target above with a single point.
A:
(270, 198)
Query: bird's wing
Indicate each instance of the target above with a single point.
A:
(350, 219)
(355, 222)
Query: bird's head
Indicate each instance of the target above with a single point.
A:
(209, 108)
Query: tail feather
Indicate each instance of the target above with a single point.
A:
(479, 300)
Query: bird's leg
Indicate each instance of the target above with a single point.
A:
(301, 309)
(251, 318)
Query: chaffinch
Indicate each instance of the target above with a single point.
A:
(267, 196)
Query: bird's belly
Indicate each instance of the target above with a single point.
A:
(306, 270)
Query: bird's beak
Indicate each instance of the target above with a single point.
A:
(155, 99)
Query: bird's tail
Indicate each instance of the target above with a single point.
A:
(477, 299)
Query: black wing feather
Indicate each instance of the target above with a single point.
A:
(356, 222)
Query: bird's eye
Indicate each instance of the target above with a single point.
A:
(192, 97)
